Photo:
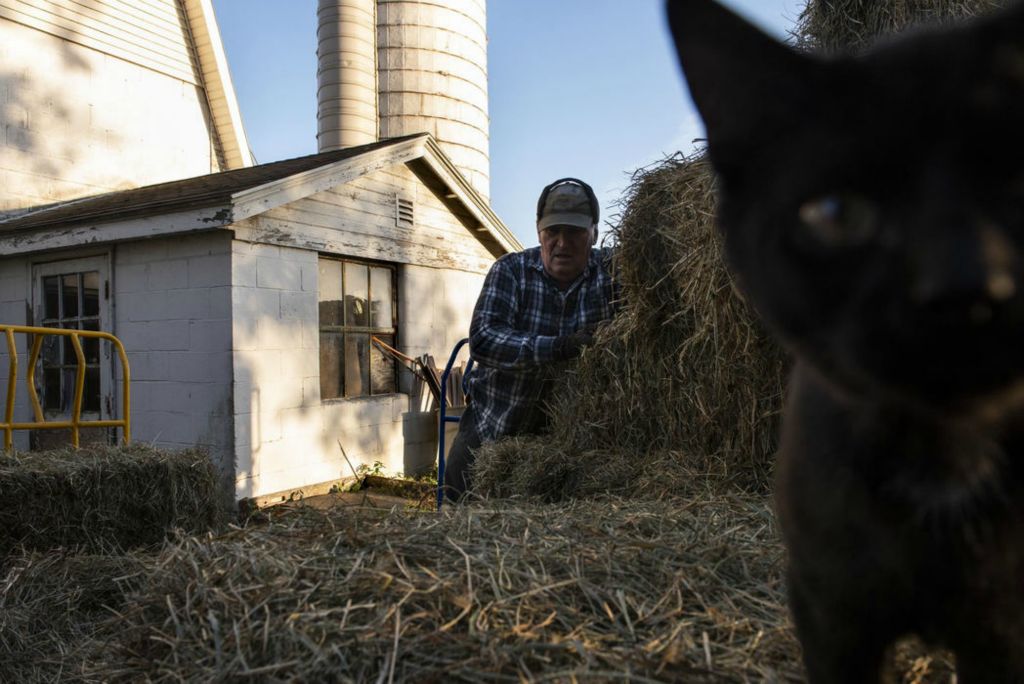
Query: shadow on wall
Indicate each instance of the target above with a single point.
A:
(23, 137)
(32, 117)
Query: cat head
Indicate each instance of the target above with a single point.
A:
(873, 205)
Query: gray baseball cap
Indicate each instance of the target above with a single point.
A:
(567, 203)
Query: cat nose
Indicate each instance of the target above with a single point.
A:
(968, 278)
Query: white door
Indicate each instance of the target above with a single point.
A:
(74, 294)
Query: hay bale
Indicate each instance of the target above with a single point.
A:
(102, 498)
(682, 383)
(597, 590)
(831, 25)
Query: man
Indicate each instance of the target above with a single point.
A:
(538, 307)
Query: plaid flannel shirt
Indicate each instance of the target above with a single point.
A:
(519, 314)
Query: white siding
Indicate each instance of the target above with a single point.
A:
(149, 33)
(358, 220)
(76, 120)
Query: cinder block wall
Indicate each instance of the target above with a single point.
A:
(435, 307)
(276, 386)
(172, 311)
(285, 437)
(15, 278)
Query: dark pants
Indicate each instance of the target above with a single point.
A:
(457, 478)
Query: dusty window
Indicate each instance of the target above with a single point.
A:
(357, 301)
(70, 301)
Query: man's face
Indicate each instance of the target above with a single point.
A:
(564, 251)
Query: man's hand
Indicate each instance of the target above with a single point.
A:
(570, 346)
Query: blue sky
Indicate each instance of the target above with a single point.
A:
(585, 88)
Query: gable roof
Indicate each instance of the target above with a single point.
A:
(232, 196)
(220, 91)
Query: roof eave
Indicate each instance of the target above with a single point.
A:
(468, 196)
(105, 232)
(220, 92)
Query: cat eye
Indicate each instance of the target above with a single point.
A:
(841, 220)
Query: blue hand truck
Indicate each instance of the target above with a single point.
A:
(444, 418)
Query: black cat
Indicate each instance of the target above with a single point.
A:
(873, 212)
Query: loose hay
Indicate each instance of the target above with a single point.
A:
(831, 25)
(53, 606)
(596, 590)
(100, 498)
(682, 383)
(601, 589)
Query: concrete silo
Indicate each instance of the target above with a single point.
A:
(423, 70)
(346, 75)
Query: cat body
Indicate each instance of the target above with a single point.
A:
(873, 213)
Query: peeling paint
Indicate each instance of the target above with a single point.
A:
(222, 217)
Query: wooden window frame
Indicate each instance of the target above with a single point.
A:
(369, 330)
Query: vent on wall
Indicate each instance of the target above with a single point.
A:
(403, 212)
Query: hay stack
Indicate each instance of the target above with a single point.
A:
(600, 590)
(682, 383)
(104, 497)
(831, 25)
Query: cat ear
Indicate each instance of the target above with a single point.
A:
(747, 86)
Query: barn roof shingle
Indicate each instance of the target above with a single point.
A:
(189, 193)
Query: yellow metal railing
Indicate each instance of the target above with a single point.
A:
(76, 423)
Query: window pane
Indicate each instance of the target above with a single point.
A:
(330, 292)
(357, 292)
(382, 368)
(51, 389)
(380, 291)
(332, 370)
(357, 365)
(67, 390)
(70, 295)
(91, 293)
(51, 350)
(51, 297)
(70, 358)
(91, 345)
(91, 391)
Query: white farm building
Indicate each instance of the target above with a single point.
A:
(245, 295)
